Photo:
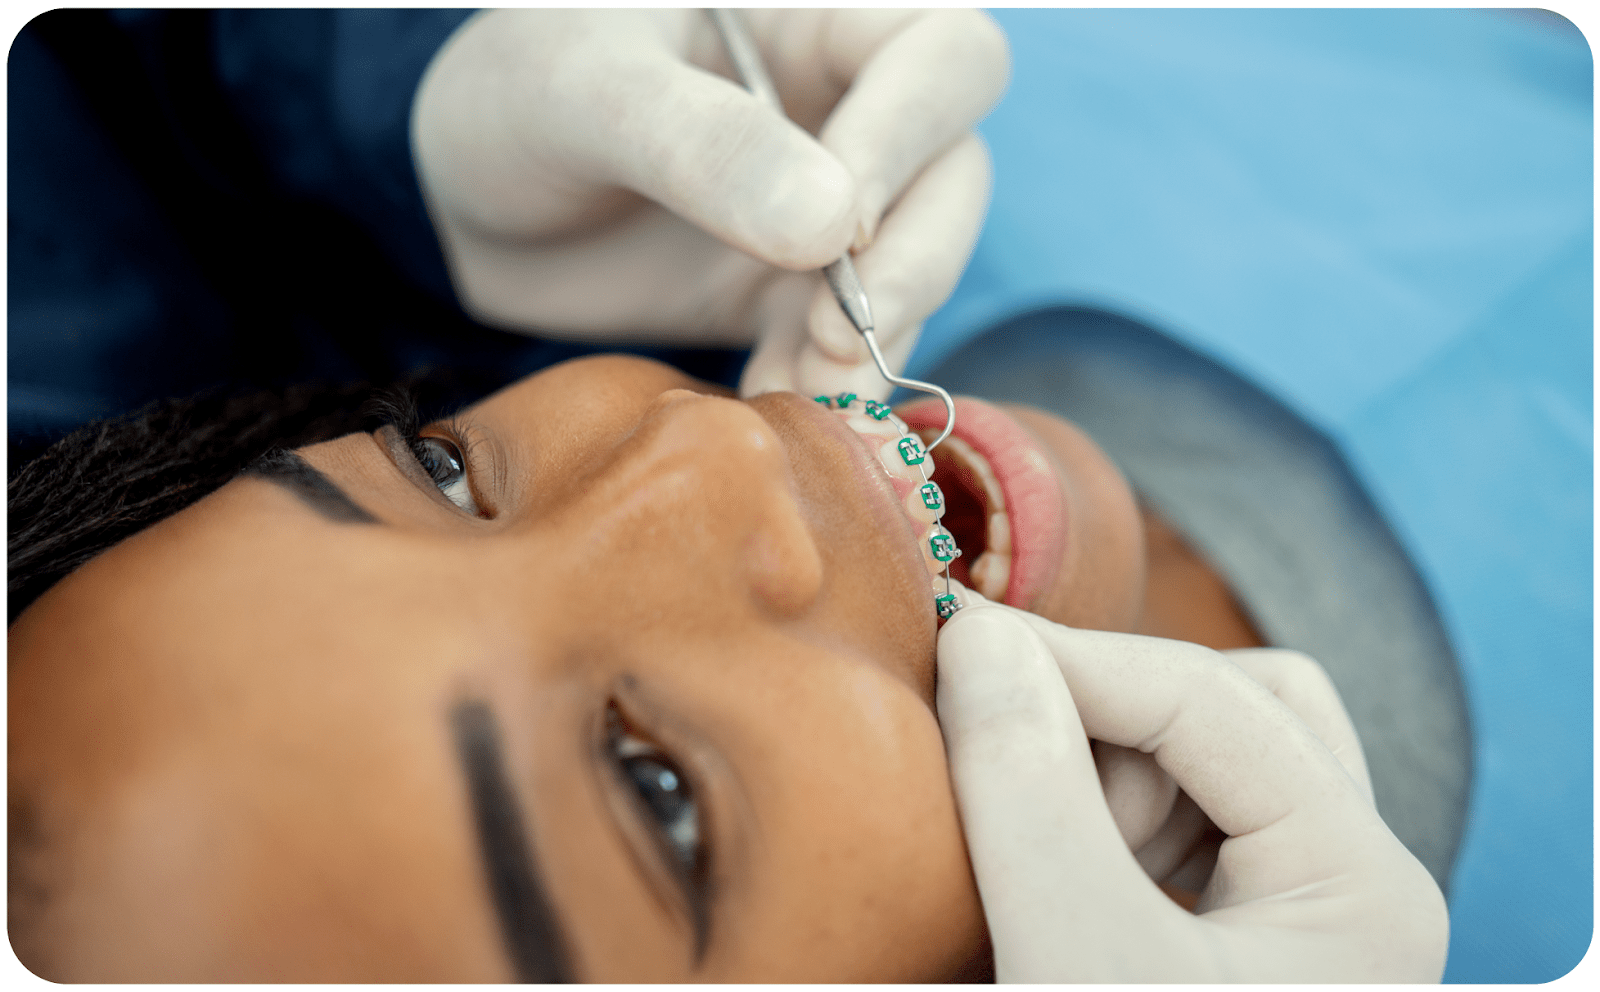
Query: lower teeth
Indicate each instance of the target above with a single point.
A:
(990, 575)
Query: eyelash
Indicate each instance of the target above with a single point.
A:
(399, 411)
(676, 818)
(437, 463)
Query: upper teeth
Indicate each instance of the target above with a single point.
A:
(925, 504)
(882, 430)
(903, 457)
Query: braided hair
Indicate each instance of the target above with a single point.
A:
(112, 478)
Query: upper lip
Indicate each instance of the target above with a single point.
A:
(872, 482)
(834, 465)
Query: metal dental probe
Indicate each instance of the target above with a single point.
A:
(841, 275)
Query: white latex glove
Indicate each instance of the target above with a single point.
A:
(598, 174)
(1309, 884)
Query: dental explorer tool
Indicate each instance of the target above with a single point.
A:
(841, 275)
(844, 282)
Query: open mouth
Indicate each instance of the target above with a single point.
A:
(1005, 505)
(975, 514)
(989, 506)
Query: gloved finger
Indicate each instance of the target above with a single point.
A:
(1058, 884)
(921, 250)
(911, 95)
(816, 373)
(770, 368)
(1174, 844)
(1249, 762)
(1304, 687)
(787, 359)
(813, 54)
(708, 150)
(780, 331)
(785, 356)
(1138, 792)
(653, 277)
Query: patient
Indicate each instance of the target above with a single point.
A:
(608, 678)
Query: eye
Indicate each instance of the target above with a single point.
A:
(442, 460)
(664, 793)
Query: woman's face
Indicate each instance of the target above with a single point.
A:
(670, 686)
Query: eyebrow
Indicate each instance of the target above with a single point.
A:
(287, 469)
(527, 921)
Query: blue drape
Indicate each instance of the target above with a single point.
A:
(1385, 217)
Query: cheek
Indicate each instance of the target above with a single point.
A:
(863, 870)
(1111, 578)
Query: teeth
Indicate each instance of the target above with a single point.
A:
(1000, 534)
(905, 458)
(875, 429)
(991, 573)
(917, 508)
(943, 544)
(969, 462)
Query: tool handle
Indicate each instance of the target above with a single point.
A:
(841, 274)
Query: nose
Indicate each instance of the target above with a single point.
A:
(702, 494)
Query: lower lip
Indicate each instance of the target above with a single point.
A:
(1033, 495)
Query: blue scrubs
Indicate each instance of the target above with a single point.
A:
(200, 198)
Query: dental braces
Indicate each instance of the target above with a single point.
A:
(941, 543)
(846, 285)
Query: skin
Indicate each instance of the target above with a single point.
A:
(234, 727)
(1126, 568)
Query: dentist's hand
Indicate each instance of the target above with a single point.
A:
(598, 174)
(1309, 884)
